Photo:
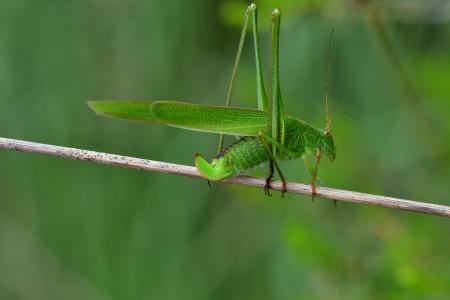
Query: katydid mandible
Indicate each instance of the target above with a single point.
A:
(267, 135)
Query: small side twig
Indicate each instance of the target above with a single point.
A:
(169, 168)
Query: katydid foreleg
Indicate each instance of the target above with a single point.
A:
(312, 168)
(313, 171)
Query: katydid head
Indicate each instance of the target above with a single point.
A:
(327, 144)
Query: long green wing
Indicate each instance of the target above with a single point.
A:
(207, 118)
(133, 110)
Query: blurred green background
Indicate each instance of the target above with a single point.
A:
(74, 230)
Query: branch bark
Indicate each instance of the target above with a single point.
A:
(169, 168)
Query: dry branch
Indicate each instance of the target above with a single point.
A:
(163, 167)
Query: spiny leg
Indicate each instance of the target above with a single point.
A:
(273, 159)
(313, 171)
(251, 8)
(234, 72)
(313, 182)
(281, 149)
(260, 87)
(275, 113)
(263, 103)
(269, 177)
(261, 93)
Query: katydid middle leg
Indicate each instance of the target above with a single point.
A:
(269, 177)
(313, 169)
(266, 140)
(273, 159)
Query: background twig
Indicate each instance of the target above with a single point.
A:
(169, 168)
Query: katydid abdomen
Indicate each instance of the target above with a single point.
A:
(245, 154)
(249, 153)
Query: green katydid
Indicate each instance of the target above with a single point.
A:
(266, 134)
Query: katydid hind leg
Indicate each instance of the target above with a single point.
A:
(260, 87)
(276, 110)
(235, 67)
